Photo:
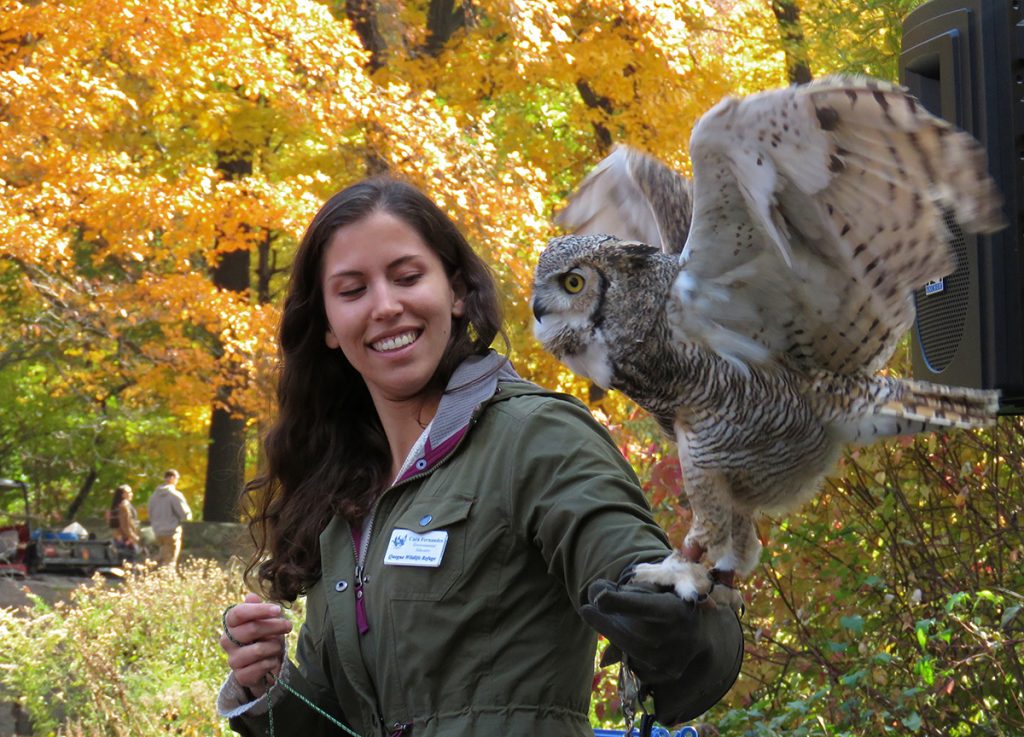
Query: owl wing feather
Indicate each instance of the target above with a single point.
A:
(817, 210)
(633, 196)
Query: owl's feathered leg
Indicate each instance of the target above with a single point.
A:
(745, 547)
(743, 558)
(745, 544)
(711, 504)
(710, 530)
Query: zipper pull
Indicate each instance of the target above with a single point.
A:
(399, 729)
(361, 580)
(362, 622)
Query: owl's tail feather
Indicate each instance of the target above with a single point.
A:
(937, 407)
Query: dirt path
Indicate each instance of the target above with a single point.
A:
(49, 587)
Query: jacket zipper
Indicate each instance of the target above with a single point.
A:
(364, 541)
(362, 621)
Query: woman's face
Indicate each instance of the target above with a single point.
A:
(389, 304)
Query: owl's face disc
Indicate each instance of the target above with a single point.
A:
(569, 289)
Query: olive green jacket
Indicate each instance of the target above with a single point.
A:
(537, 502)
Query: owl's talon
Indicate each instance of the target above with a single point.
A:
(692, 551)
(689, 580)
(723, 577)
(724, 593)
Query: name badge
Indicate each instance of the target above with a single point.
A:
(408, 548)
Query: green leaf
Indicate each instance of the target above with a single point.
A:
(986, 595)
(797, 706)
(955, 599)
(912, 721)
(926, 669)
(854, 623)
(921, 630)
(852, 679)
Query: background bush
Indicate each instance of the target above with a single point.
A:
(136, 659)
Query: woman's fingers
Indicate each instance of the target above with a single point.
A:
(242, 658)
(256, 629)
(252, 621)
(252, 663)
(254, 641)
(253, 676)
(241, 614)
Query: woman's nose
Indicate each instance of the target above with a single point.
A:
(386, 304)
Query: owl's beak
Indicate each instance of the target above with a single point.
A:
(538, 309)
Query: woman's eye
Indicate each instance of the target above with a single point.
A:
(350, 292)
(409, 279)
(573, 283)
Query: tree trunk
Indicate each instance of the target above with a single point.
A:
(362, 14)
(602, 135)
(225, 457)
(787, 15)
(80, 497)
(266, 267)
(443, 20)
(225, 463)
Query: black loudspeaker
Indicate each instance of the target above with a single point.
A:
(964, 60)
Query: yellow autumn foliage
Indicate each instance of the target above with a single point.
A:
(144, 140)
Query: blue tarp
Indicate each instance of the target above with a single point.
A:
(54, 535)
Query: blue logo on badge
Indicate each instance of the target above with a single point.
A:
(399, 541)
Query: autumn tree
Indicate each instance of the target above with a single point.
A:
(824, 36)
(129, 195)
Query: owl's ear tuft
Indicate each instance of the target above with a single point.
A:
(634, 255)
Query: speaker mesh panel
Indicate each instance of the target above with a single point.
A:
(941, 316)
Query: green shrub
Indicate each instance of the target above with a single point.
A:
(138, 658)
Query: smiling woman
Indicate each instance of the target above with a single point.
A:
(390, 305)
(445, 519)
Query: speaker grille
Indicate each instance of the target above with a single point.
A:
(942, 314)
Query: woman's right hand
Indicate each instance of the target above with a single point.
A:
(260, 627)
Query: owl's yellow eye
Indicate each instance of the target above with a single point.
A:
(573, 283)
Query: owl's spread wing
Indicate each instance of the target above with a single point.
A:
(632, 196)
(817, 210)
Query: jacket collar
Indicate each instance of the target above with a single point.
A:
(473, 383)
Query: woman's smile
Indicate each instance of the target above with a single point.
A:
(393, 343)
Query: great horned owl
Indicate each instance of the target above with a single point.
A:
(816, 211)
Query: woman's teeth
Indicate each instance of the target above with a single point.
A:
(395, 342)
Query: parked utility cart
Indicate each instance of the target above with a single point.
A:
(25, 550)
